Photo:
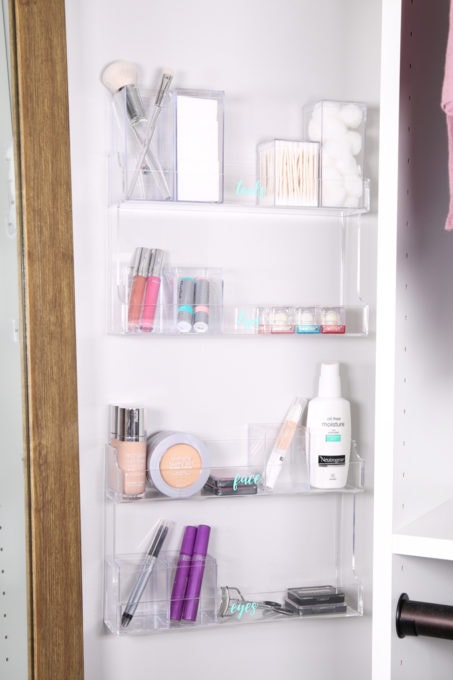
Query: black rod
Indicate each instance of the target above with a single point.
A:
(423, 618)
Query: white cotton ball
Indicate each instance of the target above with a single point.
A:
(337, 148)
(328, 162)
(314, 129)
(332, 127)
(330, 173)
(347, 165)
(333, 189)
(353, 185)
(351, 201)
(355, 141)
(351, 114)
(330, 108)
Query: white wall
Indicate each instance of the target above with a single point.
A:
(270, 58)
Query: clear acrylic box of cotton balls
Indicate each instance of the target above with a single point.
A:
(339, 127)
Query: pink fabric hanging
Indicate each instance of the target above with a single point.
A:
(447, 105)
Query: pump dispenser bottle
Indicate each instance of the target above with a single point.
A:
(131, 450)
(328, 432)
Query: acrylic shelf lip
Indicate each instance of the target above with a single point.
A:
(153, 613)
(349, 613)
(357, 325)
(431, 535)
(152, 496)
(230, 207)
(248, 470)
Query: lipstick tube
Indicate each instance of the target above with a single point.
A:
(152, 289)
(186, 287)
(201, 310)
(193, 590)
(182, 573)
(140, 266)
(131, 449)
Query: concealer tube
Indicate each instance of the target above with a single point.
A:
(131, 449)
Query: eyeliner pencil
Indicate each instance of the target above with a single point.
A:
(139, 587)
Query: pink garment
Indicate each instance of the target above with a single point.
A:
(447, 105)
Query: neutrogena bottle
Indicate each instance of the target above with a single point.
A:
(328, 432)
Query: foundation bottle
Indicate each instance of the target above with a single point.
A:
(131, 451)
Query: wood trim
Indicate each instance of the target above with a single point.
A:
(38, 46)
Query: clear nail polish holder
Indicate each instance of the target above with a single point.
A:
(184, 161)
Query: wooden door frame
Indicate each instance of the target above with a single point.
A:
(42, 157)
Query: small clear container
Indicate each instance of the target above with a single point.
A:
(194, 300)
(307, 320)
(288, 173)
(339, 127)
(333, 320)
(282, 320)
(153, 611)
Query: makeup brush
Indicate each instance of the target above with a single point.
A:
(119, 75)
(165, 83)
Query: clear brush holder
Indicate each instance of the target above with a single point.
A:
(137, 173)
(172, 153)
(288, 173)
(339, 127)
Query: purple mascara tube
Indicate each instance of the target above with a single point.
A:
(182, 573)
(200, 549)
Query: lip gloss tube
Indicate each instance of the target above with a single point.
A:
(131, 449)
(182, 573)
(185, 304)
(140, 274)
(152, 289)
(193, 590)
(201, 310)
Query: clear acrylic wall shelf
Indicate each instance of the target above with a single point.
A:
(229, 597)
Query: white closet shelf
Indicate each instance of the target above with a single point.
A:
(431, 535)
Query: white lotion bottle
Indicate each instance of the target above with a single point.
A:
(328, 432)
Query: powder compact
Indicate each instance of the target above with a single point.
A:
(177, 463)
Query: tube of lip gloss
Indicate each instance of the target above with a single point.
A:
(139, 276)
(185, 304)
(193, 590)
(201, 310)
(182, 573)
(152, 289)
